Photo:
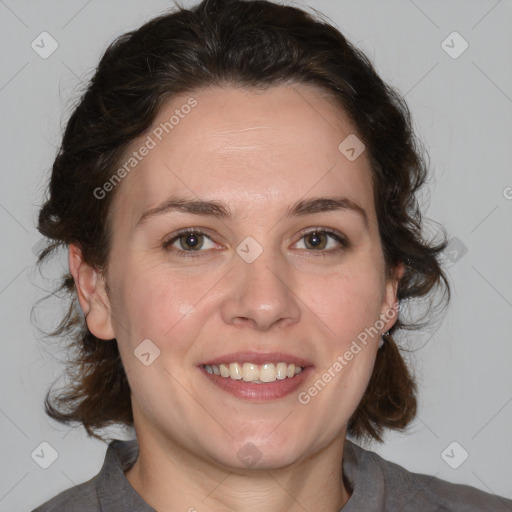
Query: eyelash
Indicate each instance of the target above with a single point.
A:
(344, 243)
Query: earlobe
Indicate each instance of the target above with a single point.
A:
(92, 295)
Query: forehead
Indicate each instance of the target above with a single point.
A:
(252, 149)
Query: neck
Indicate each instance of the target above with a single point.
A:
(168, 477)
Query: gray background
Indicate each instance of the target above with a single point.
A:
(462, 109)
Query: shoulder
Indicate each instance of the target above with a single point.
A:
(108, 490)
(396, 488)
(83, 498)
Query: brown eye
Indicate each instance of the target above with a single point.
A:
(192, 241)
(316, 240)
(323, 241)
(185, 243)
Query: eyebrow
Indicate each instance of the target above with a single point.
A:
(222, 210)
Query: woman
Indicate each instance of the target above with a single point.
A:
(237, 192)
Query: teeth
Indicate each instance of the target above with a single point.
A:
(281, 371)
(224, 370)
(268, 373)
(249, 372)
(235, 371)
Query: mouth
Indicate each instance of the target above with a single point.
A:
(256, 376)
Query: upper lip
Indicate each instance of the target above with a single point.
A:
(258, 358)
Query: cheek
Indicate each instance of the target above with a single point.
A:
(152, 303)
(346, 303)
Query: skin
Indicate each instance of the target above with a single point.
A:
(258, 152)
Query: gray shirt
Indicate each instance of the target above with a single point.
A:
(377, 485)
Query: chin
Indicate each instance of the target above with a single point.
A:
(257, 452)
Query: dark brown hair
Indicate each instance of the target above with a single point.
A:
(254, 44)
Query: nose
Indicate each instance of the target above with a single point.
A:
(260, 294)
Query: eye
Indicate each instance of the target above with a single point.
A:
(323, 240)
(189, 241)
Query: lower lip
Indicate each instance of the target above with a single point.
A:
(264, 392)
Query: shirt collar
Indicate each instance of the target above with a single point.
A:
(115, 492)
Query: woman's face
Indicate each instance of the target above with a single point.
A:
(284, 265)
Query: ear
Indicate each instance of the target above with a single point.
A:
(92, 294)
(389, 312)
